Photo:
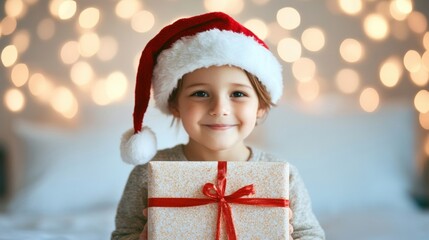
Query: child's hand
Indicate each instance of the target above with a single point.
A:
(143, 235)
(290, 225)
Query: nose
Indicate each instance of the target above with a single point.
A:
(220, 107)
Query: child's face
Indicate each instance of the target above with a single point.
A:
(218, 107)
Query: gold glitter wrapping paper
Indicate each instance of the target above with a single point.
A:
(186, 180)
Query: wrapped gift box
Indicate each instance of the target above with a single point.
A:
(185, 180)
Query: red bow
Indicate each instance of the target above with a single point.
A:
(216, 194)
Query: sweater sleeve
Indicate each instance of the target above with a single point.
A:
(129, 221)
(305, 224)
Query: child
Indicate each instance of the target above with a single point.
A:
(218, 79)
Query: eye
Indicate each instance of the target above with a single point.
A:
(238, 94)
(200, 94)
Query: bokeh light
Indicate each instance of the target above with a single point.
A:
(89, 18)
(288, 18)
(81, 73)
(21, 40)
(89, 44)
(304, 69)
(142, 21)
(9, 55)
(424, 120)
(66, 9)
(64, 102)
(412, 61)
(417, 22)
(232, 7)
(400, 9)
(127, 8)
(391, 71)
(19, 75)
(347, 80)
(108, 48)
(421, 101)
(289, 49)
(351, 7)
(40, 87)
(70, 52)
(8, 25)
(313, 39)
(351, 50)
(14, 8)
(376, 27)
(14, 100)
(369, 99)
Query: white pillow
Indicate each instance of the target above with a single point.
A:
(348, 159)
(69, 170)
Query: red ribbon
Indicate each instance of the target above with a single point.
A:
(216, 194)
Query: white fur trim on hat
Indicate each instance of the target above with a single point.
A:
(138, 148)
(214, 48)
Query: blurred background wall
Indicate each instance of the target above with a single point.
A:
(71, 64)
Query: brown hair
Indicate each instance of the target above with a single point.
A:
(264, 97)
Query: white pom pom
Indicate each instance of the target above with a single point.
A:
(138, 148)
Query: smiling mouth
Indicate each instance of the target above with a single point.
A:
(219, 127)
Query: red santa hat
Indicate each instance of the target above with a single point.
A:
(212, 39)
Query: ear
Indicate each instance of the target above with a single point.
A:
(261, 112)
(174, 111)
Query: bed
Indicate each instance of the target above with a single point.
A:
(359, 169)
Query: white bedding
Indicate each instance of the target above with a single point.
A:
(94, 225)
(377, 225)
(97, 225)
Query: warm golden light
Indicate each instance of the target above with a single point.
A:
(14, 8)
(412, 61)
(424, 120)
(276, 33)
(108, 48)
(417, 22)
(399, 9)
(70, 52)
(369, 99)
(228, 6)
(116, 86)
(308, 91)
(421, 101)
(8, 25)
(81, 73)
(351, 50)
(142, 21)
(351, 7)
(89, 18)
(99, 94)
(313, 39)
(89, 44)
(66, 9)
(289, 49)
(127, 8)
(420, 78)
(21, 40)
(288, 18)
(19, 75)
(391, 72)
(64, 102)
(46, 29)
(9, 55)
(304, 69)
(40, 87)
(347, 80)
(258, 27)
(426, 41)
(14, 100)
(376, 27)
